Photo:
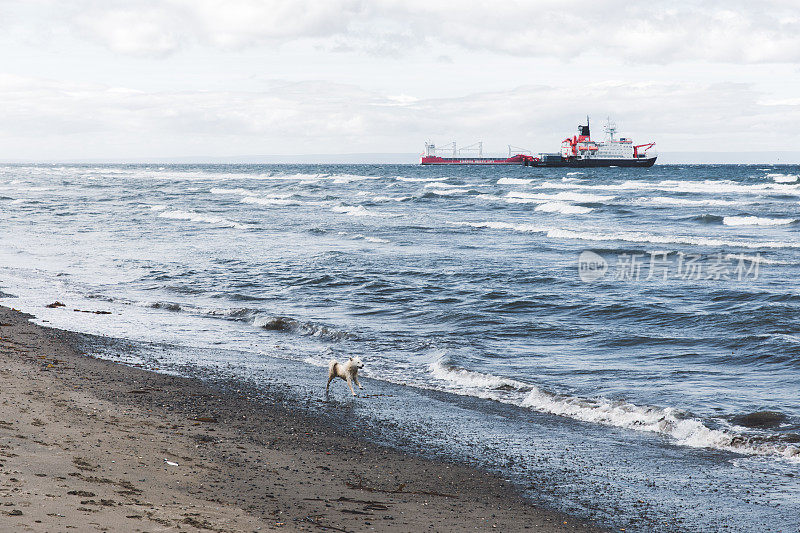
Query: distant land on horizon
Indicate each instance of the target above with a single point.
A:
(664, 158)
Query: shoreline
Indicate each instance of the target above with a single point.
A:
(89, 443)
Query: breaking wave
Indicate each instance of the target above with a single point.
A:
(199, 217)
(268, 201)
(666, 239)
(291, 325)
(757, 221)
(564, 208)
(526, 197)
(513, 181)
(673, 423)
(390, 198)
(216, 190)
(783, 178)
(705, 186)
(666, 200)
(359, 211)
(416, 180)
(640, 237)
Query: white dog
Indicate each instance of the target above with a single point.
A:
(347, 371)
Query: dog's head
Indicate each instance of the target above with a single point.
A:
(356, 362)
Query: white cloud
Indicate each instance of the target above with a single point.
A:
(41, 118)
(642, 32)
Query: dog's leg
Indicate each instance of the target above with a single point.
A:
(355, 378)
(328, 386)
(350, 384)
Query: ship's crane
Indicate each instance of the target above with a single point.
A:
(637, 153)
(478, 146)
(517, 150)
(432, 151)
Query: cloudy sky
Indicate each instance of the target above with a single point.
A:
(173, 78)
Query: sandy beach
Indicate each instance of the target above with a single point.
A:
(87, 444)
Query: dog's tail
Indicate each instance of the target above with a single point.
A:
(332, 366)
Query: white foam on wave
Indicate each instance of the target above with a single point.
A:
(705, 186)
(670, 422)
(513, 181)
(390, 198)
(564, 208)
(359, 211)
(520, 197)
(444, 189)
(639, 237)
(437, 185)
(527, 228)
(376, 240)
(415, 180)
(217, 190)
(756, 221)
(666, 239)
(468, 379)
(361, 236)
(783, 178)
(199, 217)
(575, 173)
(667, 200)
(268, 201)
(347, 178)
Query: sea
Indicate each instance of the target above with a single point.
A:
(623, 344)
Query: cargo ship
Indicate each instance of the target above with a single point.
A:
(577, 151)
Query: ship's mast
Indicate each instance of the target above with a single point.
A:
(610, 129)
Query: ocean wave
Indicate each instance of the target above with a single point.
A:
(417, 180)
(515, 196)
(291, 325)
(513, 181)
(169, 306)
(243, 192)
(666, 200)
(268, 201)
(527, 228)
(468, 379)
(390, 198)
(673, 423)
(359, 211)
(367, 238)
(707, 219)
(666, 239)
(445, 189)
(377, 240)
(199, 217)
(783, 178)
(299, 176)
(442, 192)
(756, 221)
(641, 237)
(564, 208)
(705, 186)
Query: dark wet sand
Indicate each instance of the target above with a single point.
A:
(87, 444)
